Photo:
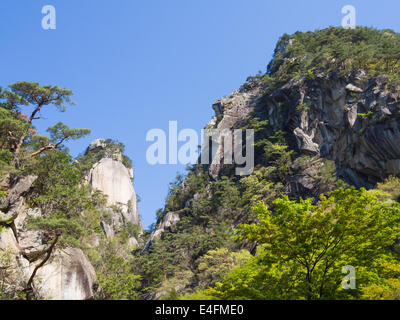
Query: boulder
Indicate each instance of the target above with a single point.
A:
(12, 204)
(352, 115)
(96, 145)
(132, 243)
(353, 88)
(305, 142)
(33, 242)
(68, 275)
(168, 222)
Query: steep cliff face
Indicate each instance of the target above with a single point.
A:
(67, 272)
(331, 100)
(167, 223)
(351, 120)
(110, 176)
(356, 126)
(322, 117)
(231, 112)
(67, 276)
(62, 271)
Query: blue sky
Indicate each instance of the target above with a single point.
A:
(135, 65)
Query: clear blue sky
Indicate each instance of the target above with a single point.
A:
(135, 65)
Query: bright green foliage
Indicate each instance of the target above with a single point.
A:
(302, 107)
(60, 133)
(112, 149)
(64, 202)
(304, 54)
(391, 185)
(2, 194)
(305, 247)
(389, 289)
(19, 140)
(215, 264)
(115, 276)
(25, 93)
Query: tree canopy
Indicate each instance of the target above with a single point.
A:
(304, 248)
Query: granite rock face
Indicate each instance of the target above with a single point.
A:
(168, 222)
(231, 113)
(351, 120)
(357, 128)
(68, 275)
(11, 205)
(114, 179)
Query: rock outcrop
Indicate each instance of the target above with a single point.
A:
(11, 205)
(110, 176)
(168, 222)
(356, 126)
(67, 275)
(231, 113)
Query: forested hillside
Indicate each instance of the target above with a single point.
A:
(324, 193)
(326, 121)
(62, 234)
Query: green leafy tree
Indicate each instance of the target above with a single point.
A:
(391, 186)
(32, 94)
(18, 138)
(115, 277)
(215, 264)
(305, 246)
(112, 149)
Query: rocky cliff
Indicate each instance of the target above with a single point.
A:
(55, 272)
(352, 120)
(110, 176)
(324, 116)
(35, 261)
